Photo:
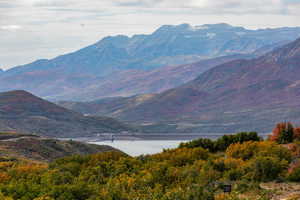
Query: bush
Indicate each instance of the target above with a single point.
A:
(249, 150)
(267, 168)
(294, 176)
(222, 143)
(202, 142)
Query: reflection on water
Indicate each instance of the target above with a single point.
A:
(140, 147)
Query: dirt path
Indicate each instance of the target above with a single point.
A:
(283, 191)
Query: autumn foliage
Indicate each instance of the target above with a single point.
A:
(195, 170)
(285, 133)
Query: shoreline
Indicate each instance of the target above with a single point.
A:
(147, 137)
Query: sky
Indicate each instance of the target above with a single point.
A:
(36, 29)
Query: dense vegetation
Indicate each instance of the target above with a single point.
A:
(195, 170)
(222, 143)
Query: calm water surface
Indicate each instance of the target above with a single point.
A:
(140, 147)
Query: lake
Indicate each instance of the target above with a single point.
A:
(140, 147)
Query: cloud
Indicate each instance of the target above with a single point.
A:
(213, 7)
(54, 27)
(202, 6)
(138, 3)
(52, 3)
(291, 1)
(10, 27)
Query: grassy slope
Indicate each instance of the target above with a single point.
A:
(13, 145)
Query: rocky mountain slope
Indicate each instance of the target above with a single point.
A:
(238, 95)
(21, 146)
(132, 82)
(23, 112)
(95, 66)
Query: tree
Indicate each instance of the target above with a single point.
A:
(297, 133)
(283, 133)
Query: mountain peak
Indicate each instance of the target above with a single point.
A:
(19, 100)
(167, 28)
(219, 25)
(116, 37)
(16, 93)
(117, 40)
(188, 27)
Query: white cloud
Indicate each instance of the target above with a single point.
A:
(53, 27)
(206, 6)
(214, 7)
(10, 27)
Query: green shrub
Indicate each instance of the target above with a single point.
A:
(223, 142)
(267, 168)
(294, 176)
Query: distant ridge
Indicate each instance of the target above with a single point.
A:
(23, 112)
(65, 76)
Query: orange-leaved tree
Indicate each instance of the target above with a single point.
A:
(285, 133)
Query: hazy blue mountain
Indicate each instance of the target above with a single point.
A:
(150, 51)
(169, 45)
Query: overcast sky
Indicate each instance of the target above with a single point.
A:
(34, 29)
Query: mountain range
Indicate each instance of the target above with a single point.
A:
(94, 68)
(23, 112)
(244, 94)
(135, 82)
